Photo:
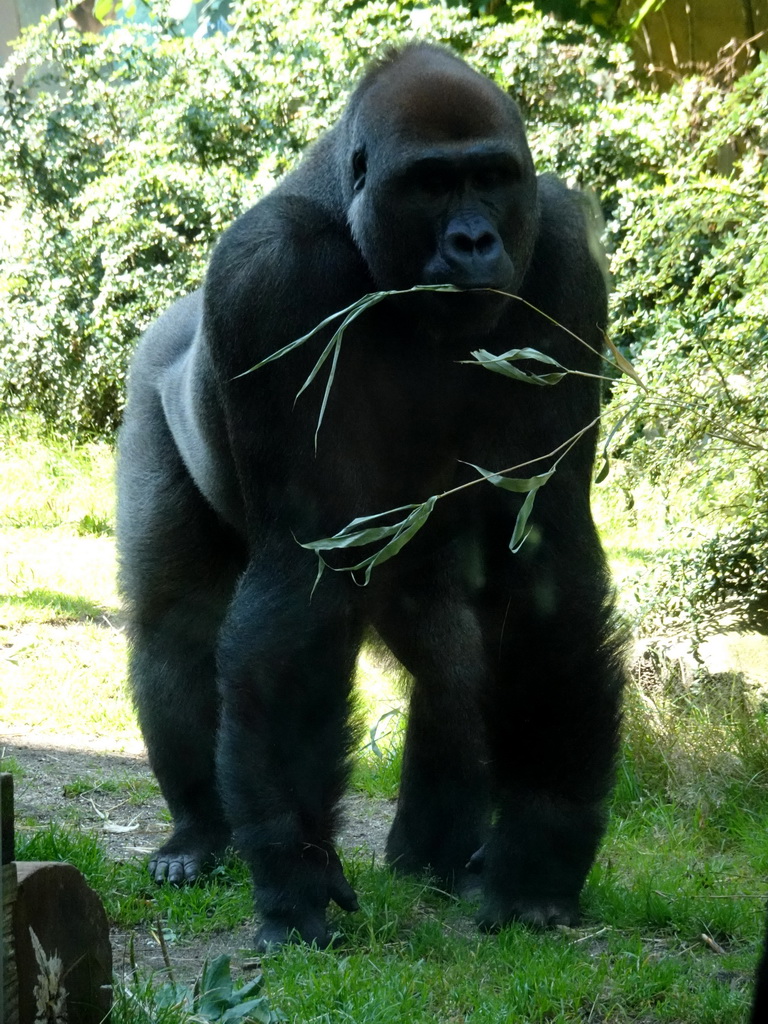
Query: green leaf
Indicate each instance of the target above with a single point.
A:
(373, 732)
(249, 988)
(502, 364)
(215, 988)
(172, 994)
(519, 536)
(332, 344)
(328, 385)
(321, 567)
(530, 485)
(520, 485)
(649, 7)
(252, 1009)
(102, 9)
(351, 536)
(623, 363)
(604, 470)
(217, 973)
(411, 526)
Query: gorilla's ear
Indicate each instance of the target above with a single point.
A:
(359, 167)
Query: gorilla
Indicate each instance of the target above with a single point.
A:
(242, 659)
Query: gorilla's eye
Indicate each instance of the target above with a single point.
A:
(488, 178)
(435, 181)
(359, 167)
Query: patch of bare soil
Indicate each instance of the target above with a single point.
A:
(54, 787)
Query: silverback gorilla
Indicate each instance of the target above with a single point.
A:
(241, 673)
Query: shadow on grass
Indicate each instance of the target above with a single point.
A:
(64, 606)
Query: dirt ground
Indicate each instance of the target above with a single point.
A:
(52, 763)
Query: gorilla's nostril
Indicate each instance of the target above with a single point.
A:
(461, 242)
(467, 243)
(487, 243)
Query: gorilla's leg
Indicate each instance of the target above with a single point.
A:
(443, 810)
(553, 724)
(173, 673)
(178, 567)
(286, 666)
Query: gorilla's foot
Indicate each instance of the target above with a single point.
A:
(187, 854)
(541, 913)
(536, 860)
(280, 931)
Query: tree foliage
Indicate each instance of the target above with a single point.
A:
(691, 307)
(609, 16)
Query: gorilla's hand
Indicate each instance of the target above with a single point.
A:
(297, 912)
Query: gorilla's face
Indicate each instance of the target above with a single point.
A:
(444, 191)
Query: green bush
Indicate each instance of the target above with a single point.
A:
(691, 308)
(123, 157)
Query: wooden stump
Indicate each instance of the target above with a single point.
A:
(9, 982)
(67, 918)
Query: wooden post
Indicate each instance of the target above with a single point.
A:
(7, 848)
(53, 903)
(66, 915)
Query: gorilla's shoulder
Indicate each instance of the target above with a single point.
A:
(284, 236)
(568, 262)
(562, 210)
(281, 268)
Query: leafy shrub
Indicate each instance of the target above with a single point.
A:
(691, 307)
(124, 156)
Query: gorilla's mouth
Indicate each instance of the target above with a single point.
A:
(470, 310)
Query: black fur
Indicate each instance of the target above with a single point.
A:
(242, 680)
(760, 999)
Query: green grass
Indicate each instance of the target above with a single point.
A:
(411, 953)
(136, 791)
(376, 770)
(673, 907)
(12, 764)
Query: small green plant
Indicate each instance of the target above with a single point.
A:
(82, 787)
(216, 999)
(93, 524)
(12, 765)
(60, 844)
